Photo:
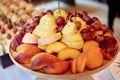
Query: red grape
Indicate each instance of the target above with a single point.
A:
(41, 14)
(60, 20)
(96, 26)
(26, 25)
(59, 28)
(30, 29)
(94, 19)
(49, 12)
(87, 19)
(36, 19)
(92, 29)
(99, 38)
(103, 27)
(83, 13)
(87, 36)
(84, 30)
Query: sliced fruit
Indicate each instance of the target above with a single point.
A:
(30, 39)
(41, 60)
(81, 63)
(74, 65)
(68, 53)
(55, 47)
(57, 67)
(28, 48)
(89, 44)
(94, 58)
(49, 39)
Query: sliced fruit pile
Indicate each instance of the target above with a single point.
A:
(64, 42)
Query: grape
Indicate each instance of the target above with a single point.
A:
(91, 29)
(19, 37)
(78, 15)
(59, 28)
(8, 36)
(94, 19)
(70, 15)
(30, 29)
(87, 19)
(36, 19)
(22, 30)
(99, 38)
(60, 20)
(49, 12)
(26, 25)
(3, 30)
(108, 31)
(104, 27)
(41, 14)
(87, 36)
(83, 13)
(9, 26)
(84, 30)
(96, 26)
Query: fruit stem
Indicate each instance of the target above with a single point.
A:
(59, 7)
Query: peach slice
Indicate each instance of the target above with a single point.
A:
(68, 53)
(30, 38)
(28, 48)
(55, 47)
(74, 65)
(23, 58)
(81, 63)
(57, 67)
(89, 44)
(94, 58)
(41, 60)
(49, 39)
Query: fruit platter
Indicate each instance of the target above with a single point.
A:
(63, 45)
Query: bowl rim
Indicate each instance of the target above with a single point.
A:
(64, 76)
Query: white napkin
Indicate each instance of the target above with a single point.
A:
(14, 73)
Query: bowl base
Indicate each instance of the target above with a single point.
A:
(83, 78)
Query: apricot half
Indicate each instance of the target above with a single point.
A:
(68, 53)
